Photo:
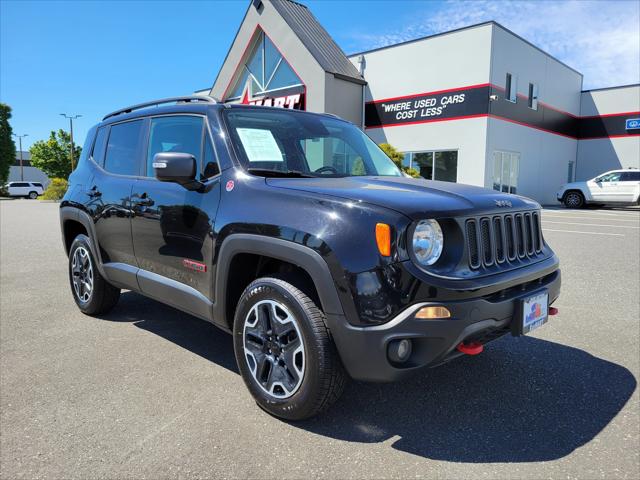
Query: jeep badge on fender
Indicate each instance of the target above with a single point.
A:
(294, 232)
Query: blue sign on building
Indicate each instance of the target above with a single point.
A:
(632, 124)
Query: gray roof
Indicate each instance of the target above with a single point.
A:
(26, 159)
(316, 39)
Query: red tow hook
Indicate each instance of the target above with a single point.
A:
(553, 311)
(470, 348)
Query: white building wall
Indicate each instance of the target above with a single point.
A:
(558, 85)
(610, 100)
(596, 156)
(426, 66)
(544, 157)
(467, 136)
(450, 60)
(343, 98)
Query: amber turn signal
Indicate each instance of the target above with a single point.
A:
(383, 239)
(433, 313)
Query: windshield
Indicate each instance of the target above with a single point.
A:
(277, 142)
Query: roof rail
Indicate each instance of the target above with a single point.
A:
(155, 103)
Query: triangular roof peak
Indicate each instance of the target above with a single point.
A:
(313, 35)
(283, 20)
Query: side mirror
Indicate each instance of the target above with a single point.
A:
(176, 167)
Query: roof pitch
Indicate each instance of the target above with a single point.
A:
(316, 39)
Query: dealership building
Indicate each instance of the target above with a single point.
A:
(477, 105)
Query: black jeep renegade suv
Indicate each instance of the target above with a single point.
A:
(297, 234)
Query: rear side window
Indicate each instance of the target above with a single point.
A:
(630, 177)
(176, 133)
(99, 146)
(19, 184)
(123, 148)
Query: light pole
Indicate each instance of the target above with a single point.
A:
(71, 119)
(20, 142)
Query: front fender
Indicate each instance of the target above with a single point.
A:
(303, 256)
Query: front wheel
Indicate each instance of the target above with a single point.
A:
(573, 200)
(284, 351)
(33, 195)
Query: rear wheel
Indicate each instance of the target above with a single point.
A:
(284, 351)
(573, 200)
(92, 293)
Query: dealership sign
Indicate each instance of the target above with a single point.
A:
(632, 124)
(426, 107)
(291, 98)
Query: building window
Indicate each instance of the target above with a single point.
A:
(434, 165)
(570, 172)
(264, 70)
(511, 88)
(533, 96)
(506, 166)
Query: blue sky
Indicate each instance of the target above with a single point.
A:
(90, 58)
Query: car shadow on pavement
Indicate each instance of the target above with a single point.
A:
(522, 400)
(186, 331)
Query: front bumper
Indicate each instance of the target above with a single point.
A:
(364, 349)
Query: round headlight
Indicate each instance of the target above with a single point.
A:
(427, 242)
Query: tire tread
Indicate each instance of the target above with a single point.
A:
(332, 376)
(104, 296)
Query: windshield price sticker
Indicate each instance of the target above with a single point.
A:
(260, 145)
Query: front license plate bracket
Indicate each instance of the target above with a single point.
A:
(531, 312)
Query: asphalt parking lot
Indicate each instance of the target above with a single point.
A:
(149, 392)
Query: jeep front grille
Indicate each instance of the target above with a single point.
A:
(503, 238)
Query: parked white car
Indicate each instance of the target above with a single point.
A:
(617, 187)
(25, 189)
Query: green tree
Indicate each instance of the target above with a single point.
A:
(7, 145)
(397, 158)
(53, 156)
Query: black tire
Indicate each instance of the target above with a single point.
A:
(323, 378)
(573, 199)
(33, 195)
(102, 296)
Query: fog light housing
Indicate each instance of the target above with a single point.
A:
(399, 351)
(433, 313)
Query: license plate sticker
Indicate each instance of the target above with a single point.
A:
(535, 312)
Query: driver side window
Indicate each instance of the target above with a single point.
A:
(610, 177)
(176, 133)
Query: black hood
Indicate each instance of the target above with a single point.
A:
(416, 198)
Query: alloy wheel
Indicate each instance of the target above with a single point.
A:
(573, 200)
(273, 348)
(82, 274)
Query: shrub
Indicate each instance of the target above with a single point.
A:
(397, 158)
(56, 189)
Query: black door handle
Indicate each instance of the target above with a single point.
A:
(94, 192)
